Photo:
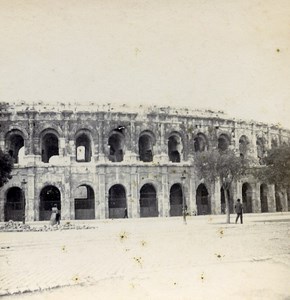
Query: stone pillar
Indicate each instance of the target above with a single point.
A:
(2, 204)
(28, 143)
(31, 208)
(95, 188)
(66, 197)
(61, 147)
(133, 201)
(72, 154)
(284, 200)
(271, 198)
(253, 149)
(103, 195)
(163, 156)
(215, 197)
(191, 203)
(164, 205)
(256, 201)
(102, 142)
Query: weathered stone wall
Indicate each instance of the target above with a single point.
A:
(64, 172)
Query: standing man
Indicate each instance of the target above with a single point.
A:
(239, 211)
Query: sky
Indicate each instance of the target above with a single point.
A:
(230, 55)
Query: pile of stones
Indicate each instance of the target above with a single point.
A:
(12, 226)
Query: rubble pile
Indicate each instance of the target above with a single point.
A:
(12, 226)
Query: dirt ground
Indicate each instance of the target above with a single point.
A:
(156, 258)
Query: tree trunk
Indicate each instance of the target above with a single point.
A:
(227, 206)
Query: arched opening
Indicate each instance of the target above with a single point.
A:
(247, 198)
(146, 143)
(278, 198)
(15, 205)
(148, 201)
(264, 197)
(202, 200)
(176, 200)
(174, 148)
(261, 149)
(49, 196)
(83, 148)
(117, 201)
(223, 201)
(14, 142)
(200, 143)
(84, 203)
(49, 147)
(116, 145)
(223, 142)
(243, 145)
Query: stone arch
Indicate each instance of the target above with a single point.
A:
(175, 147)
(42, 129)
(14, 141)
(223, 201)
(224, 142)
(200, 142)
(116, 144)
(247, 196)
(49, 195)
(49, 144)
(14, 208)
(176, 200)
(83, 142)
(264, 197)
(84, 202)
(117, 201)
(148, 201)
(244, 145)
(146, 142)
(202, 200)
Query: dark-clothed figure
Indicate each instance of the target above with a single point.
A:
(125, 213)
(239, 211)
(57, 218)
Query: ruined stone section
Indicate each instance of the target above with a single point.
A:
(95, 161)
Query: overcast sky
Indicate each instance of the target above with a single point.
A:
(231, 55)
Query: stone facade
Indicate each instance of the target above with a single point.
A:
(95, 161)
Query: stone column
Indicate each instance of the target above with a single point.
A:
(67, 208)
(96, 193)
(163, 155)
(102, 142)
(256, 201)
(2, 204)
(134, 197)
(29, 188)
(253, 149)
(215, 197)
(103, 194)
(271, 198)
(164, 205)
(191, 203)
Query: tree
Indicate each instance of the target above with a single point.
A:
(276, 168)
(223, 165)
(6, 166)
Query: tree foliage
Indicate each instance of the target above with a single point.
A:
(6, 166)
(223, 165)
(277, 167)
